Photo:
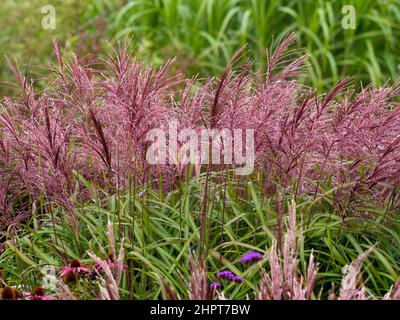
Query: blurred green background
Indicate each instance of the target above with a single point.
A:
(204, 34)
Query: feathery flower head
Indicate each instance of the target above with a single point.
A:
(251, 256)
(109, 261)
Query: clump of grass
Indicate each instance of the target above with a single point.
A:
(159, 238)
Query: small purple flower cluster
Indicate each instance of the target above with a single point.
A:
(228, 275)
(248, 258)
(251, 256)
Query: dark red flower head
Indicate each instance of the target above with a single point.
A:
(75, 263)
(7, 293)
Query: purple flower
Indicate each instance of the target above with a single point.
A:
(215, 285)
(251, 256)
(228, 275)
(237, 279)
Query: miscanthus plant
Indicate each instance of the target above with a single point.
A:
(83, 139)
(93, 124)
